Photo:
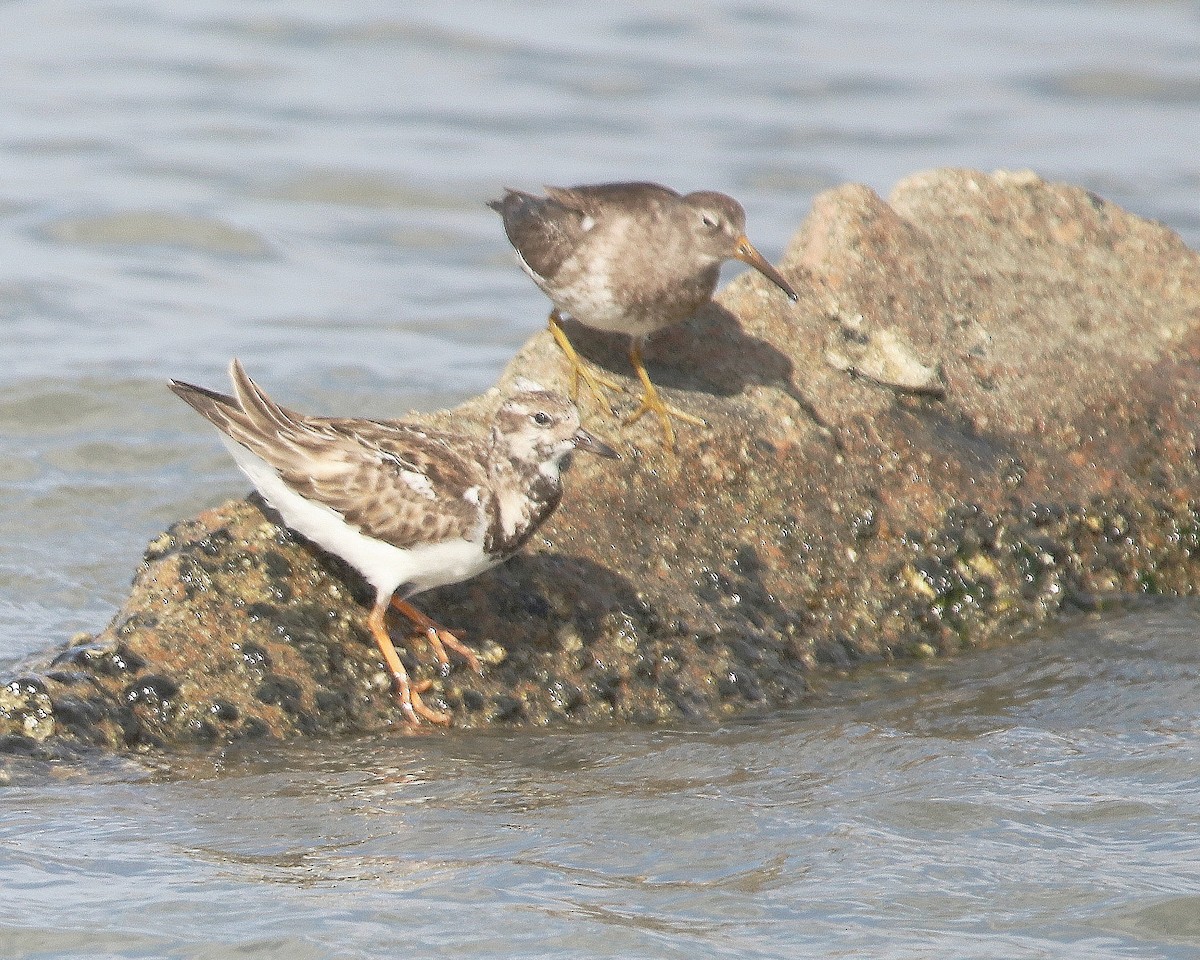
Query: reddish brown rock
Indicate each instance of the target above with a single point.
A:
(1035, 453)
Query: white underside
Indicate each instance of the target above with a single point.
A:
(385, 566)
(590, 301)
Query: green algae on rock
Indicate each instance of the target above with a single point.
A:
(823, 518)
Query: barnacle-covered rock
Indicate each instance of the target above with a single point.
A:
(1034, 454)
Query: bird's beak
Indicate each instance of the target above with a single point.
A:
(745, 252)
(588, 442)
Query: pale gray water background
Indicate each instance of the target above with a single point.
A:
(301, 184)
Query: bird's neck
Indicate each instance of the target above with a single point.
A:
(523, 495)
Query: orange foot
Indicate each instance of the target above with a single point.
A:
(439, 637)
(411, 704)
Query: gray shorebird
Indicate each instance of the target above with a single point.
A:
(629, 258)
(410, 508)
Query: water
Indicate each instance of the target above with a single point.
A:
(1022, 803)
(302, 185)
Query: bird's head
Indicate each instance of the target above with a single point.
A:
(539, 427)
(718, 226)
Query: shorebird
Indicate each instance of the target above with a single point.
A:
(409, 507)
(629, 258)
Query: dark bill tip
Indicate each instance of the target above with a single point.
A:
(590, 443)
(747, 254)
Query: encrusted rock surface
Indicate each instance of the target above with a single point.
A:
(1035, 453)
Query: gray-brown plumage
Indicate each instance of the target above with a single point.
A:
(629, 258)
(409, 507)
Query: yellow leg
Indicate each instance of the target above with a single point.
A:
(438, 636)
(652, 401)
(594, 381)
(410, 697)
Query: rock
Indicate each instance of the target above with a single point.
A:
(1038, 456)
(885, 357)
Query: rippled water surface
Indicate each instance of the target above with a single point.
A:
(301, 185)
(1024, 803)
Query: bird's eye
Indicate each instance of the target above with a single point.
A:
(541, 418)
(710, 221)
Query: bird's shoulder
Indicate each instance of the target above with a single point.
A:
(394, 480)
(549, 231)
(603, 200)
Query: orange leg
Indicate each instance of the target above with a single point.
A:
(438, 636)
(410, 697)
(594, 381)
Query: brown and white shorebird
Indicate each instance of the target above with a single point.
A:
(410, 508)
(629, 258)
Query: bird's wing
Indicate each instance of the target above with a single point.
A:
(595, 199)
(548, 231)
(394, 481)
(544, 230)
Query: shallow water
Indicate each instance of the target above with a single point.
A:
(1034, 802)
(302, 185)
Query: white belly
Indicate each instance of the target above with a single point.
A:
(386, 567)
(590, 301)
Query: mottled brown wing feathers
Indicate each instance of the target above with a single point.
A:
(262, 411)
(384, 478)
(400, 484)
(212, 406)
(548, 231)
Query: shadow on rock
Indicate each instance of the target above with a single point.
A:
(544, 624)
(710, 353)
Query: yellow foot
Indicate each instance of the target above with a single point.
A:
(579, 370)
(651, 401)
